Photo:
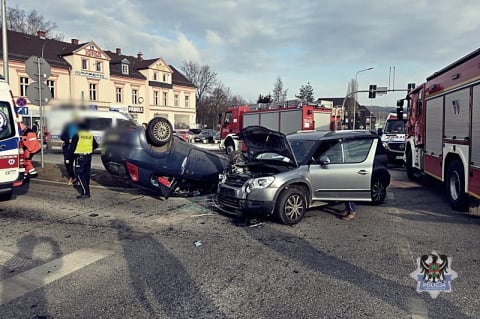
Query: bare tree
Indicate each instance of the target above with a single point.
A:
(30, 22)
(279, 93)
(203, 77)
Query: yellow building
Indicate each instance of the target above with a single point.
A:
(103, 80)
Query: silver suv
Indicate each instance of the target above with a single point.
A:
(285, 176)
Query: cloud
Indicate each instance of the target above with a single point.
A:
(212, 38)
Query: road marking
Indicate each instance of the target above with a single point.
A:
(45, 274)
(405, 252)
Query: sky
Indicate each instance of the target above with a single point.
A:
(250, 43)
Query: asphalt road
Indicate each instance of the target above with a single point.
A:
(128, 255)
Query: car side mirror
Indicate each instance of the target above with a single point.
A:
(324, 160)
(380, 132)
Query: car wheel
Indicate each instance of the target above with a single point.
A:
(229, 147)
(291, 206)
(159, 131)
(6, 196)
(378, 190)
(455, 185)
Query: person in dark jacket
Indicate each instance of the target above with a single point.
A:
(82, 146)
(67, 135)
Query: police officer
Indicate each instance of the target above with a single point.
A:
(83, 144)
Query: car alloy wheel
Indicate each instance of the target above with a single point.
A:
(378, 191)
(291, 206)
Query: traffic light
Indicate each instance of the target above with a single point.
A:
(410, 86)
(372, 91)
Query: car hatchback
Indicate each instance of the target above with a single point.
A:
(285, 176)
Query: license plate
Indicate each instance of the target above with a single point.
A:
(8, 174)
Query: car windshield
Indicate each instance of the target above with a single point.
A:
(395, 126)
(301, 149)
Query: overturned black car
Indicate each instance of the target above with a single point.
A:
(156, 160)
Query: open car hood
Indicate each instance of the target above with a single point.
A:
(261, 140)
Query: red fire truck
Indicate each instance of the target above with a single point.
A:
(443, 130)
(284, 119)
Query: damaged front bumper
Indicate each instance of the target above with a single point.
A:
(235, 200)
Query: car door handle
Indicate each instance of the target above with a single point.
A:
(362, 172)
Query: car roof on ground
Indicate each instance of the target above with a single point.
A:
(320, 135)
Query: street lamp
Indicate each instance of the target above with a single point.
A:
(356, 89)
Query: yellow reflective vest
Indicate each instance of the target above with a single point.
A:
(85, 143)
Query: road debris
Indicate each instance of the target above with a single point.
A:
(197, 243)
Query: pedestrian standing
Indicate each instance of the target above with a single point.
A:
(83, 145)
(31, 146)
(35, 127)
(349, 212)
(67, 135)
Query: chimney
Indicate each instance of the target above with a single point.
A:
(41, 34)
(75, 41)
(140, 55)
(118, 51)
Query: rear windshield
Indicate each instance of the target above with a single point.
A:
(7, 124)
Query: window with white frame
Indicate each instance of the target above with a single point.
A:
(155, 97)
(165, 100)
(84, 64)
(118, 94)
(51, 87)
(99, 66)
(93, 91)
(175, 100)
(187, 98)
(23, 86)
(124, 68)
(134, 96)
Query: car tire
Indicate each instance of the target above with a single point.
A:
(291, 206)
(455, 186)
(229, 147)
(378, 190)
(159, 131)
(6, 196)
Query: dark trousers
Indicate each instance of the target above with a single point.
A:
(69, 166)
(83, 164)
(350, 206)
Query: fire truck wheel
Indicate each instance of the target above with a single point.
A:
(6, 196)
(159, 131)
(455, 186)
(229, 147)
(413, 174)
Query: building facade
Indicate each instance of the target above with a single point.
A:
(102, 80)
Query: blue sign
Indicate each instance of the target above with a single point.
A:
(21, 110)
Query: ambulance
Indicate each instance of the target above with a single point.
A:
(12, 161)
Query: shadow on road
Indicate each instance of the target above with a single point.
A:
(161, 283)
(391, 292)
(28, 248)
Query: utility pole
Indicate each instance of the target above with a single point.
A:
(4, 40)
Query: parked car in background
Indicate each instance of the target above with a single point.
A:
(97, 122)
(184, 135)
(156, 160)
(194, 133)
(285, 176)
(206, 136)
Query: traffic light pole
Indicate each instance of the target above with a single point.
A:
(41, 109)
